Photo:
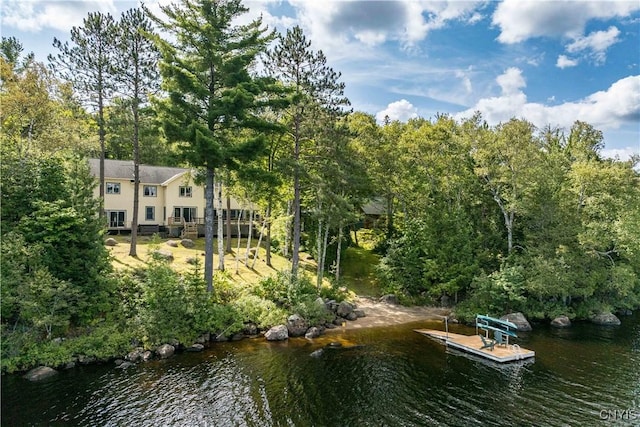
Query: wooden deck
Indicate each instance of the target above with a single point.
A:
(473, 343)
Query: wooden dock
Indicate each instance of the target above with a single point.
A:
(473, 343)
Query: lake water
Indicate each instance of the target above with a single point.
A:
(583, 376)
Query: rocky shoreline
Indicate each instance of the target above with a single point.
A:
(365, 312)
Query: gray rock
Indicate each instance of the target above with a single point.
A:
(86, 360)
(172, 243)
(250, 329)
(187, 243)
(561, 322)
(165, 351)
(70, 365)
(389, 299)
(360, 313)
(319, 301)
(134, 355)
(351, 316)
(605, 319)
(163, 254)
(40, 373)
(110, 242)
(332, 305)
(118, 362)
(277, 333)
(195, 348)
(124, 365)
(312, 332)
(334, 344)
(330, 326)
(192, 260)
(147, 355)
(344, 309)
(339, 322)
(519, 320)
(624, 313)
(296, 325)
(204, 338)
(317, 353)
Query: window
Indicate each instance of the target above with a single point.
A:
(150, 191)
(185, 191)
(150, 213)
(113, 188)
(116, 218)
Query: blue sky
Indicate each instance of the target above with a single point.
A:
(550, 62)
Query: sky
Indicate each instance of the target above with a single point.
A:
(549, 62)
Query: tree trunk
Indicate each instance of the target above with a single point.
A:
(296, 201)
(136, 180)
(268, 238)
(238, 245)
(220, 230)
(208, 229)
(228, 249)
(338, 253)
(101, 135)
(287, 238)
(249, 232)
(320, 267)
(264, 223)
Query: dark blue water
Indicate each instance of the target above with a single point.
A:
(587, 375)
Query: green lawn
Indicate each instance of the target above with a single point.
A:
(358, 266)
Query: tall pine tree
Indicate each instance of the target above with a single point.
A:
(137, 77)
(314, 85)
(88, 64)
(211, 92)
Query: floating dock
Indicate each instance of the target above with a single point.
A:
(474, 344)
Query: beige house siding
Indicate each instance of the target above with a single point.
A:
(167, 182)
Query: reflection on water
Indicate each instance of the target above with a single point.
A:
(386, 376)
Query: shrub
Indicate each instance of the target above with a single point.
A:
(264, 313)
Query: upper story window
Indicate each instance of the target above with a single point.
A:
(150, 191)
(185, 191)
(113, 188)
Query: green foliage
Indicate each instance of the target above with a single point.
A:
(285, 290)
(262, 312)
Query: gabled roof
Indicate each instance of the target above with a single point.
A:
(123, 169)
(374, 207)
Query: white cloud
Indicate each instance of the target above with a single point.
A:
(597, 43)
(59, 15)
(334, 26)
(566, 62)
(620, 153)
(511, 81)
(401, 110)
(520, 20)
(607, 109)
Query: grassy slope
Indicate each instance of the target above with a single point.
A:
(357, 264)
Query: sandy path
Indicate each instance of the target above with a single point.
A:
(384, 314)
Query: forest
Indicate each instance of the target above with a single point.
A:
(490, 219)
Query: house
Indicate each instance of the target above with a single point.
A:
(170, 201)
(373, 210)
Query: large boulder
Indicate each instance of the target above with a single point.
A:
(312, 332)
(605, 319)
(344, 309)
(187, 243)
(165, 351)
(40, 373)
(296, 325)
(110, 242)
(519, 320)
(195, 347)
(163, 254)
(172, 243)
(135, 355)
(561, 322)
(277, 333)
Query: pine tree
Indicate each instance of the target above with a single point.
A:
(211, 92)
(314, 85)
(88, 65)
(137, 76)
